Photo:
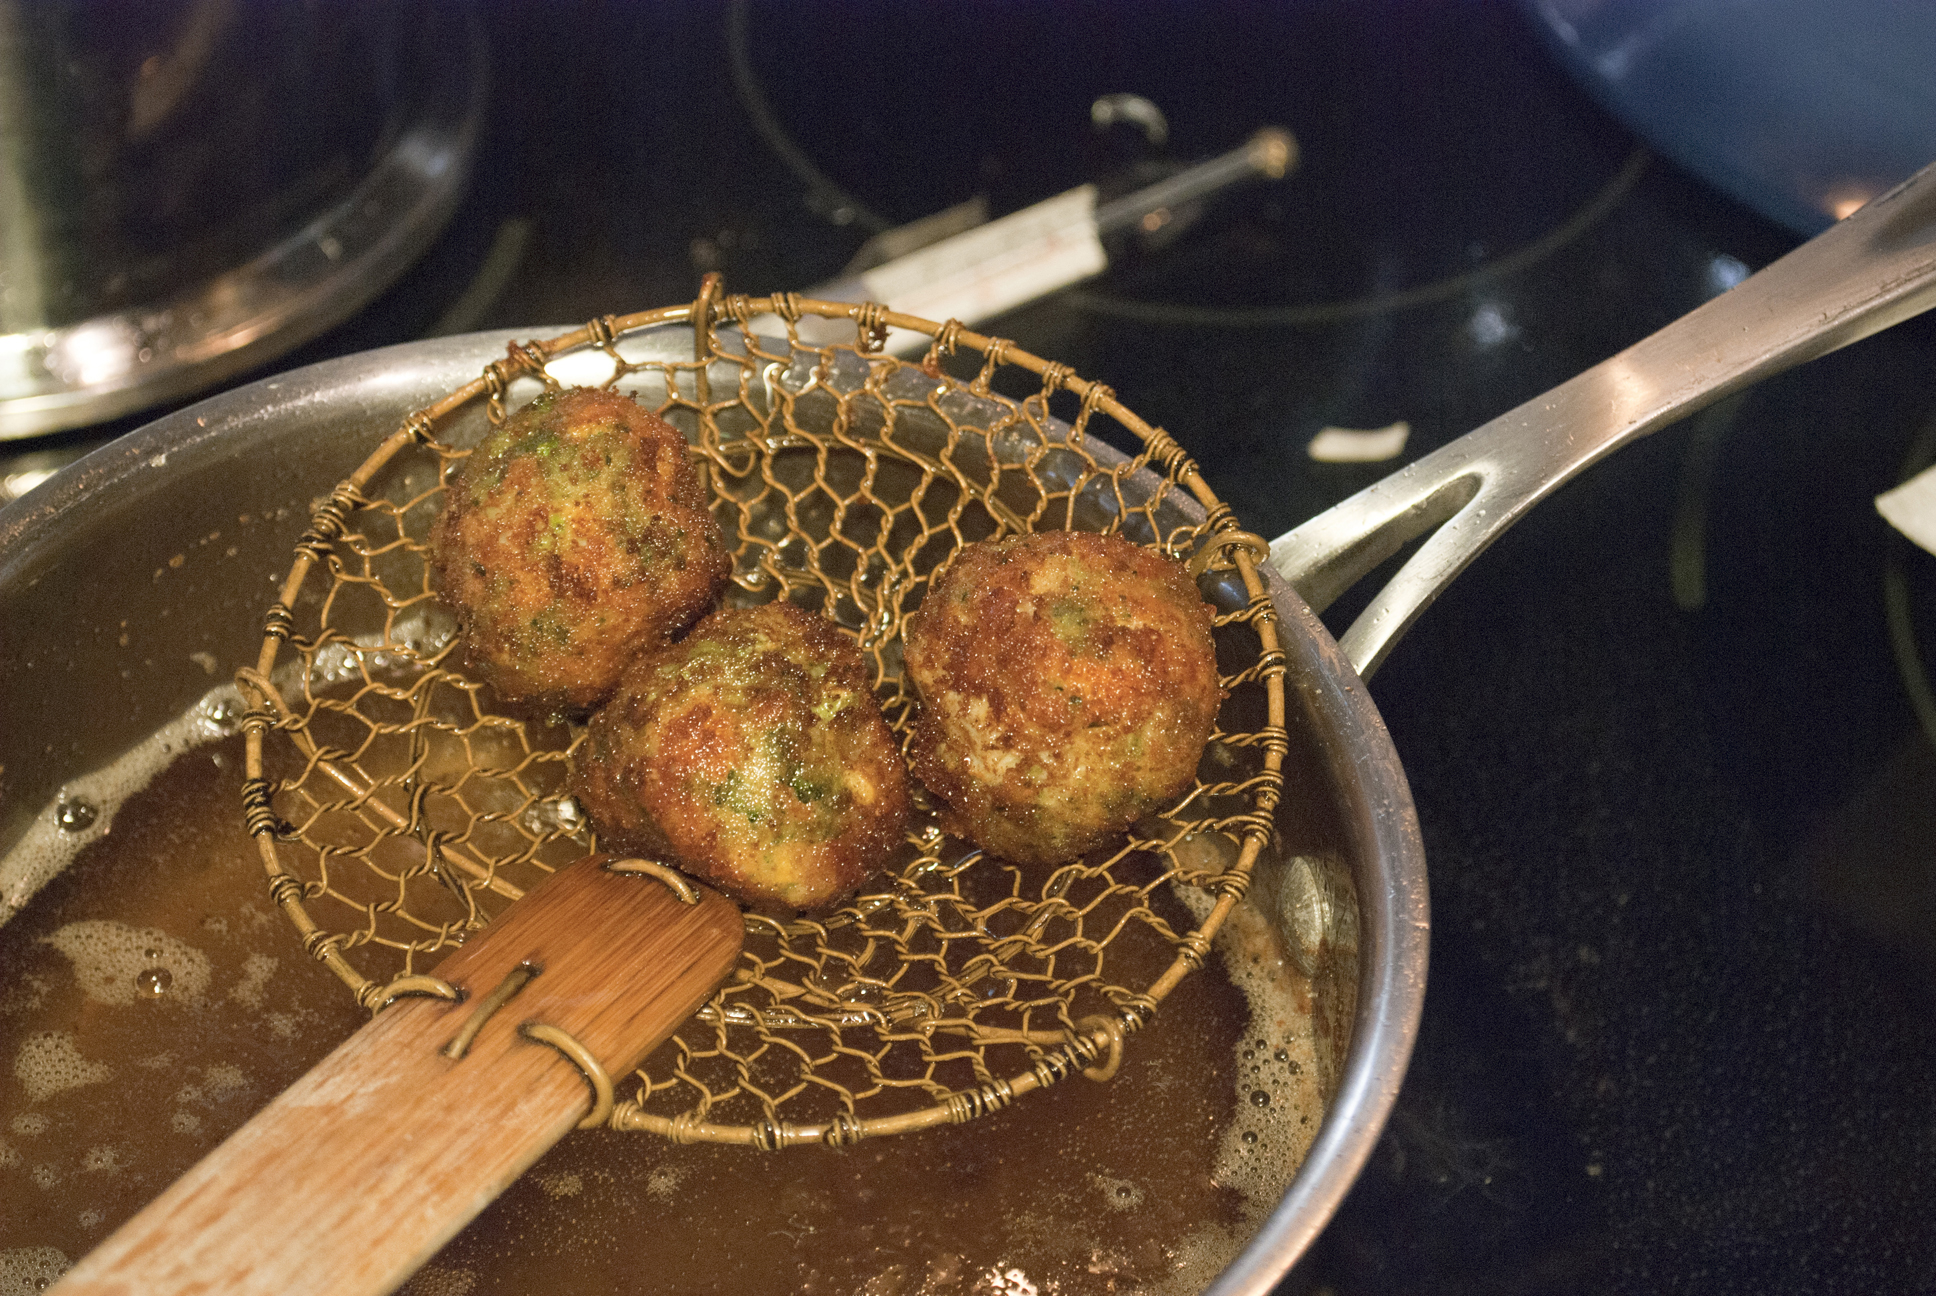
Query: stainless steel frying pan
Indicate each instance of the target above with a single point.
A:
(125, 576)
(141, 539)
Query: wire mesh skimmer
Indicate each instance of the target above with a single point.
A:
(398, 805)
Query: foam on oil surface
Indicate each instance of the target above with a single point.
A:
(436, 1280)
(83, 811)
(49, 1062)
(118, 964)
(28, 1271)
(1280, 1100)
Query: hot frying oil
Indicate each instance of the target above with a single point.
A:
(151, 1000)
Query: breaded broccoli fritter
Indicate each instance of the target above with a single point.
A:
(575, 536)
(1068, 684)
(752, 754)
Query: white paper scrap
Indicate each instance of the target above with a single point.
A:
(1353, 445)
(1911, 508)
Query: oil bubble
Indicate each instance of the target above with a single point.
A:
(114, 962)
(75, 815)
(153, 982)
(1258, 1098)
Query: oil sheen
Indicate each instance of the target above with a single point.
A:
(151, 1000)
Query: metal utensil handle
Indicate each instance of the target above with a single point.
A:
(1031, 247)
(1269, 153)
(1873, 269)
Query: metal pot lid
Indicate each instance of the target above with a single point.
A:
(225, 290)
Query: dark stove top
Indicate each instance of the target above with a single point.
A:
(1678, 803)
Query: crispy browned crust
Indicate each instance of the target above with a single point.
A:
(1068, 684)
(575, 536)
(753, 754)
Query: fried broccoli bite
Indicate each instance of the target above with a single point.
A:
(753, 755)
(1067, 685)
(575, 536)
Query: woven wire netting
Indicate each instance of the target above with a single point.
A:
(398, 805)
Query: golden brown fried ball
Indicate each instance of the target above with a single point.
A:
(1068, 684)
(575, 536)
(752, 754)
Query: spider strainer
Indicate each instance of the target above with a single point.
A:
(398, 805)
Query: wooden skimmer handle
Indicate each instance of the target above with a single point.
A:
(362, 1169)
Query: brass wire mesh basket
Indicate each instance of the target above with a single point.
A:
(398, 805)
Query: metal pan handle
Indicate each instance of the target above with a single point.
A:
(1875, 268)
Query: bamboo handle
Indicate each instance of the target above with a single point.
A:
(362, 1169)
